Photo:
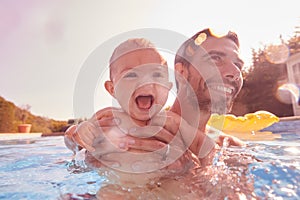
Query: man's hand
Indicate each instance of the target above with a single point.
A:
(219, 137)
(231, 140)
(192, 137)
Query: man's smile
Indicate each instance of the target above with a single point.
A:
(228, 90)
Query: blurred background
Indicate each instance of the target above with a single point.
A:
(43, 45)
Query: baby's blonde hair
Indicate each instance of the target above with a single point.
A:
(129, 46)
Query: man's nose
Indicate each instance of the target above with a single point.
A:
(232, 72)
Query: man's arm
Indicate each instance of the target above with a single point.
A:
(173, 127)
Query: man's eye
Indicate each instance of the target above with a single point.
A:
(130, 75)
(216, 58)
(239, 65)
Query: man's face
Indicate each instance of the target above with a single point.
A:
(141, 83)
(215, 74)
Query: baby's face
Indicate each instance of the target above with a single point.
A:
(141, 83)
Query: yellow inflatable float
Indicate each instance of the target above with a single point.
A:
(244, 127)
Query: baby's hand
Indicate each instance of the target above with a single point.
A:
(87, 132)
(94, 135)
(80, 136)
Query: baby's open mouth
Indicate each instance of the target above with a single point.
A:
(144, 102)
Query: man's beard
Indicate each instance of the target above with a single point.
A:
(212, 100)
(220, 104)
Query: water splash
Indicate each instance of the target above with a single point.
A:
(78, 164)
(228, 177)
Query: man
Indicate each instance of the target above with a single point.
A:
(207, 64)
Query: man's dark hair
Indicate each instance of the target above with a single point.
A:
(187, 49)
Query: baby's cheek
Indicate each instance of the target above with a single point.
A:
(162, 94)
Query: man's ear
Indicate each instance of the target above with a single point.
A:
(109, 86)
(182, 70)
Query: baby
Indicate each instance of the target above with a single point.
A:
(139, 81)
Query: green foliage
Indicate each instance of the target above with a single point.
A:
(11, 116)
(261, 83)
(57, 126)
(294, 44)
(7, 110)
(22, 113)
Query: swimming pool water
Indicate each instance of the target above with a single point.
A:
(37, 168)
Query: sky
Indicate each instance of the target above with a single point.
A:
(44, 45)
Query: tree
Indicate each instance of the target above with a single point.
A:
(7, 110)
(11, 116)
(265, 76)
(294, 44)
(23, 113)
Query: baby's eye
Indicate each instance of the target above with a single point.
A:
(157, 74)
(130, 75)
